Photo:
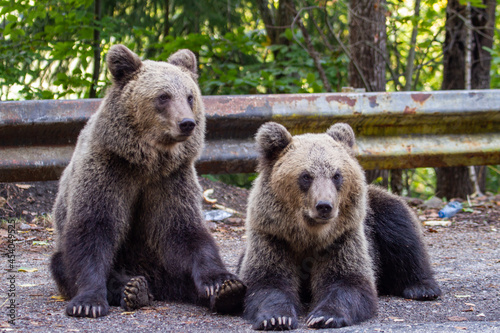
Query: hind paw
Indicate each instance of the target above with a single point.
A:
(136, 294)
(229, 297)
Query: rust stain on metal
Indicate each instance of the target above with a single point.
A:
(373, 101)
(420, 97)
(409, 110)
(342, 99)
(230, 105)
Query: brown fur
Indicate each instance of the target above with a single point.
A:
(128, 212)
(312, 235)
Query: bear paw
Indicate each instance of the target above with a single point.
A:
(87, 305)
(136, 294)
(425, 291)
(229, 297)
(326, 321)
(275, 323)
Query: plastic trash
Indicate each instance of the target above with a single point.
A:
(216, 215)
(450, 209)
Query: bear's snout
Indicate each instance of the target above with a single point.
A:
(187, 126)
(324, 209)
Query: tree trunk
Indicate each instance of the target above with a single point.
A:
(276, 21)
(483, 20)
(455, 182)
(367, 39)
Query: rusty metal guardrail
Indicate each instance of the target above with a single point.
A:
(394, 130)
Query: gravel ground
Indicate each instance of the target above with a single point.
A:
(465, 256)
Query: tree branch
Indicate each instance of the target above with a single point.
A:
(310, 49)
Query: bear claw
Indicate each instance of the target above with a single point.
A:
(136, 294)
(87, 305)
(325, 322)
(276, 323)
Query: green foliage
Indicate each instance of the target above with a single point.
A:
(493, 179)
(244, 180)
(427, 70)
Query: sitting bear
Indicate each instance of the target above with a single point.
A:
(319, 237)
(128, 211)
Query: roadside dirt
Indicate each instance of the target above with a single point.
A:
(465, 255)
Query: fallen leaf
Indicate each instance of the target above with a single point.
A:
(23, 186)
(58, 298)
(456, 318)
(481, 315)
(460, 328)
(127, 313)
(462, 296)
(3, 201)
(40, 243)
(396, 319)
(27, 270)
(471, 309)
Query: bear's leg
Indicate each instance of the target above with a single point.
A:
(97, 221)
(58, 273)
(342, 286)
(404, 265)
(342, 301)
(272, 300)
(87, 259)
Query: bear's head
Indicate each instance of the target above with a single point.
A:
(157, 104)
(315, 179)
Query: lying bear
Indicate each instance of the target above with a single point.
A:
(128, 211)
(320, 238)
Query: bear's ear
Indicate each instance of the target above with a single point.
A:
(342, 133)
(271, 139)
(122, 62)
(185, 58)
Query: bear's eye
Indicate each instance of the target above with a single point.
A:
(337, 180)
(190, 100)
(305, 181)
(164, 98)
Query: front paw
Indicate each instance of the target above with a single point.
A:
(425, 291)
(88, 305)
(323, 320)
(269, 322)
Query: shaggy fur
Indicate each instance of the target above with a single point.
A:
(128, 211)
(320, 239)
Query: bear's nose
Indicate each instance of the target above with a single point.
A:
(187, 125)
(324, 208)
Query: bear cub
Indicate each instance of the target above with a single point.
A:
(320, 238)
(128, 211)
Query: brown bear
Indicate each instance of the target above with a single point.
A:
(128, 211)
(319, 237)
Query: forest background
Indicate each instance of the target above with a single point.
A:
(55, 49)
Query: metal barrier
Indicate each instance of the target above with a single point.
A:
(394, 130)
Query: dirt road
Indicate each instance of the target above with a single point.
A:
(465, 256)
